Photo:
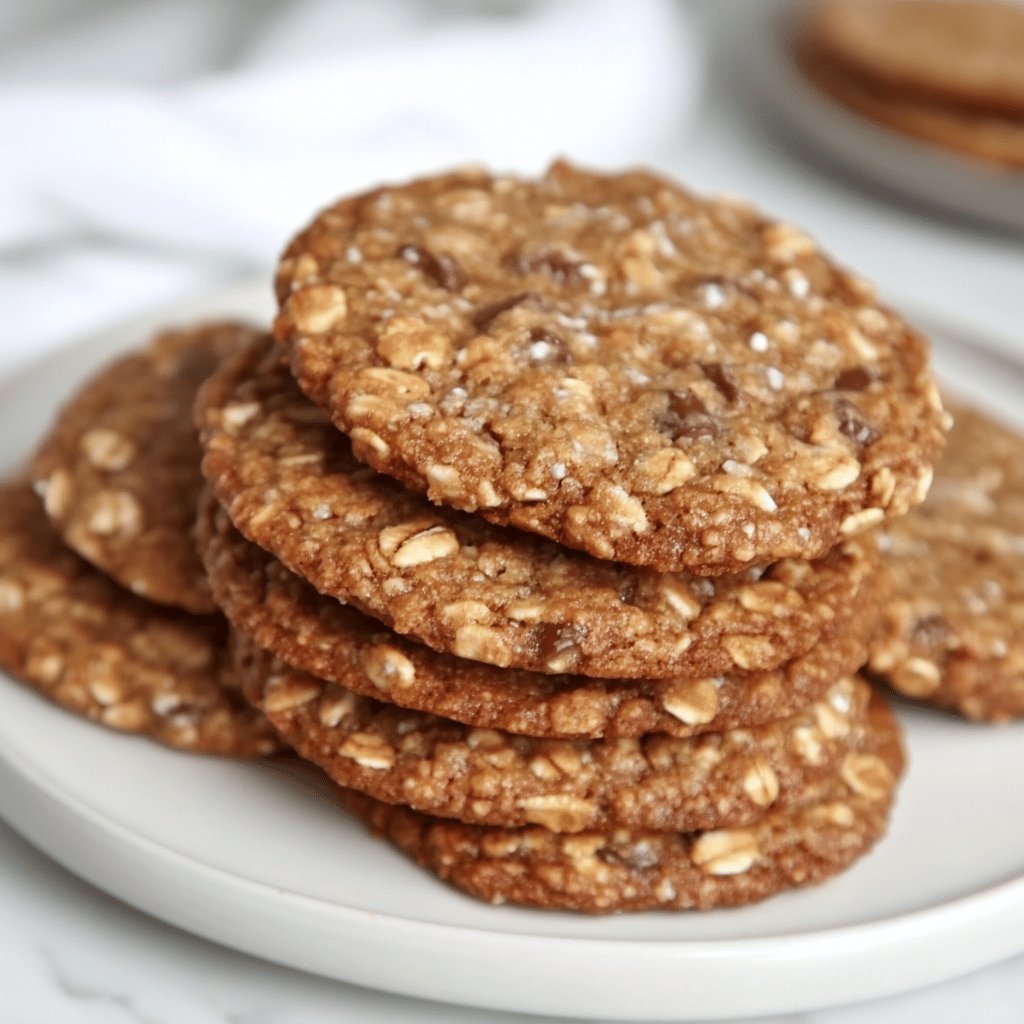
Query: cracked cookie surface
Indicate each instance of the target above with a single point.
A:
(952, 633)
(119, 470)
(462, 585)
(77, 637)
(631, 870)
(610, 362)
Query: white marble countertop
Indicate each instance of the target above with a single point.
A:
(71, 955)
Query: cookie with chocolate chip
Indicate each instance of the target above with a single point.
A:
(952, 633)
(613, 363)
(630, 870)
(319, 635)
(464, 586)
(483, 776)
(73, 634)
(119, 470)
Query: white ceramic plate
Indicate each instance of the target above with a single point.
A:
(857, 144)
(260, 859)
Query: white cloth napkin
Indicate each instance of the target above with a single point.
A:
(146, 149)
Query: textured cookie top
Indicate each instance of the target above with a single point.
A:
(602, 872)
(496, 778)
(965, 52)
(953, 631)
(286, 615)
(612, 363)
(119, 471)
(105, 654)
(491, 594)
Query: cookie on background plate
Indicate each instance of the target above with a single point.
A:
(996, 138)
(952, 632)
(483, 776)
(318, 634)
(119, 470)
(106, 654)
(624, 870)
(613, 363)
(965, 54)
(483, 592)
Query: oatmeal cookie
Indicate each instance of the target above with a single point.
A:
(965, 54)
(119, 471)
(317, 634)
(952, 634)
(482, 776)
(483, 592)
(629, 870)
(108, 655)
(996, 138)
(613, 363)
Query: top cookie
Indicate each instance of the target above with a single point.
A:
(119, 471)
(966, 52)
(612, 363)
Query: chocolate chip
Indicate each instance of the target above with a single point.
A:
(556, 640)
(854, 378)
(439, 267)
(554, 264)
(486, 315)
(637, 856)
(547, 347)
(685, 415)
(853, 424)
(722, 379)
(931, 633)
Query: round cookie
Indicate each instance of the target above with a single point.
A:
(613, 363)
(119, 470)
(625, 870)
(965, 53)
(317, 634)
(482, 776)
(952, 632)
(988, 137)
(462, 585)
(105, 654)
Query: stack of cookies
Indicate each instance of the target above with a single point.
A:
(544, 525)
(949, 72)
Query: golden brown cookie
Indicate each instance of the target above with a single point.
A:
(963, 53)
(482, 776)
(613, 363)
(483, 592)
(996, 138)
(952, 634)
(119, 470)
(286, 615)
(598, 873)
(106, 654)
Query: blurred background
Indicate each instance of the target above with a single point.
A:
(148, 150)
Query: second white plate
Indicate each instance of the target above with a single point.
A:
(260, 858)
